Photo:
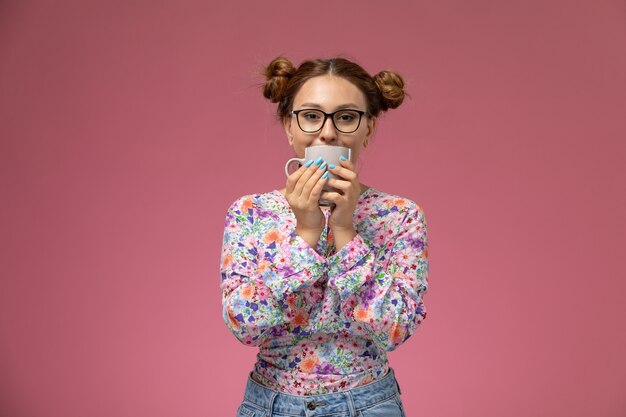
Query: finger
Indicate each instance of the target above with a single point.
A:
(345, 172)
(313, 182)
(347, 163)
(331, 196)
(308, 173)
(340, 184)
(316, 191)
(293, 178)
(306, 184)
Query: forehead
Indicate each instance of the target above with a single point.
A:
(328, 91)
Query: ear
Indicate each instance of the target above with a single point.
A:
(371, 128)
(287, 127)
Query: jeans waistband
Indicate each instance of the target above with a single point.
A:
(312, 405)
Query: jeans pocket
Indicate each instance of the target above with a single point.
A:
(247, 409)
(386, 408)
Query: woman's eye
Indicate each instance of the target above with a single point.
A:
(311, 116)
(346, 117)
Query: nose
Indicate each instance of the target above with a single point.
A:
(328, 134)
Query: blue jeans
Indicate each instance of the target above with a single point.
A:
(380, 398)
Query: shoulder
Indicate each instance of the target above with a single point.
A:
(387, 202)
(250, 203)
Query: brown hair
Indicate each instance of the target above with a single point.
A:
(383, 91)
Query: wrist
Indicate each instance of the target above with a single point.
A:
(343, 229)
(308, 231)
(343, 236)
(310, 236)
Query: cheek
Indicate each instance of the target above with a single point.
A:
(356, 143)
(299, 146)
(302, 139)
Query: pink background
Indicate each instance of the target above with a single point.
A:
(128, 128)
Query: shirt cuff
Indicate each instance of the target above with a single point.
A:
(296, 265)
(354, 254)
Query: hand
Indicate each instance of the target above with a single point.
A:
(345, 200)
(303, 191)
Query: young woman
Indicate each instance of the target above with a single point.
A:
(325, 292)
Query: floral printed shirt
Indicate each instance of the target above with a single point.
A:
(323, 319)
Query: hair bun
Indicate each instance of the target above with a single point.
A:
(277, 73)
(391, 86)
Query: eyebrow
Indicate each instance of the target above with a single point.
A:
(342, 106)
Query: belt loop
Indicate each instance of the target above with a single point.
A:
(271, 405)
(350, 401)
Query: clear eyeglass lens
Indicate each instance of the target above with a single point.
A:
(346, 121)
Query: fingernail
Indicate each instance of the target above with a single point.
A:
(323, 165)
(308, 164)
(331, 166)
(343, 158)
(325, 176)
(318, 160)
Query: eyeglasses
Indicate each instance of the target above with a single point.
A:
(312, 120)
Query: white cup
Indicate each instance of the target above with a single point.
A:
(330, 154)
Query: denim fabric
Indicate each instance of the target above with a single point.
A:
(379, 398)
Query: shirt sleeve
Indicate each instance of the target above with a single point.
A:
(384, 293)
(260, 290)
